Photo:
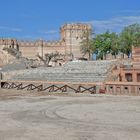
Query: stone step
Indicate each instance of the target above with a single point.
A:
(63, 76)
(94, 71)
(66, 80)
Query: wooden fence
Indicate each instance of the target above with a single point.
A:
(50, 86)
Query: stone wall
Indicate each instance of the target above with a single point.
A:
(125, 88)
(136, 57)
(85, 71)
(70, 37)
(5, 58)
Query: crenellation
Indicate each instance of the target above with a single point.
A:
(70, 37)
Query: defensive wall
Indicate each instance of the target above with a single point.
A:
(69, 43)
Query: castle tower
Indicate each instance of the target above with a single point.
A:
(5, 57)
(72, 35)
(8, 43)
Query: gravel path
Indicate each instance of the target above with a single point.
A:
(37, 116)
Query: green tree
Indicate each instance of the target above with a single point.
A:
(87, 45)
(136, 41)
(106, 43)
(130, 36)
(115, 48)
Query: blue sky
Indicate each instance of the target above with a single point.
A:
(33, 19)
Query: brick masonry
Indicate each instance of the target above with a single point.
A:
(69, 44)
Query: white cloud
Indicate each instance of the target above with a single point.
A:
(49, 32)
(10, 29)
(129, 12)
(114, 24)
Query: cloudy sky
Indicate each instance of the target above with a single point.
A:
(33, 19)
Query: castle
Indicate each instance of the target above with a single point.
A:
(69, 44)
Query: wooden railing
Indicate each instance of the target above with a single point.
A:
(50, 86)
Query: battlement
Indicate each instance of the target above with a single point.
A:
(8, 41)
(37, 43)
(71, 35)
(76, 26)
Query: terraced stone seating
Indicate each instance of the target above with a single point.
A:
(92, 71)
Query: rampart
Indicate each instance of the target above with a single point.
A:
(69, 44)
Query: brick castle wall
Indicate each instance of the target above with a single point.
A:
(70, 37)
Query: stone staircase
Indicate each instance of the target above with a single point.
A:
(91, 71)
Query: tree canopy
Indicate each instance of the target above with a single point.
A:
(130, 37)
(87, 46)
(111, 42)
(106, 43)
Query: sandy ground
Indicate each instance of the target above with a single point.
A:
(39, 116)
